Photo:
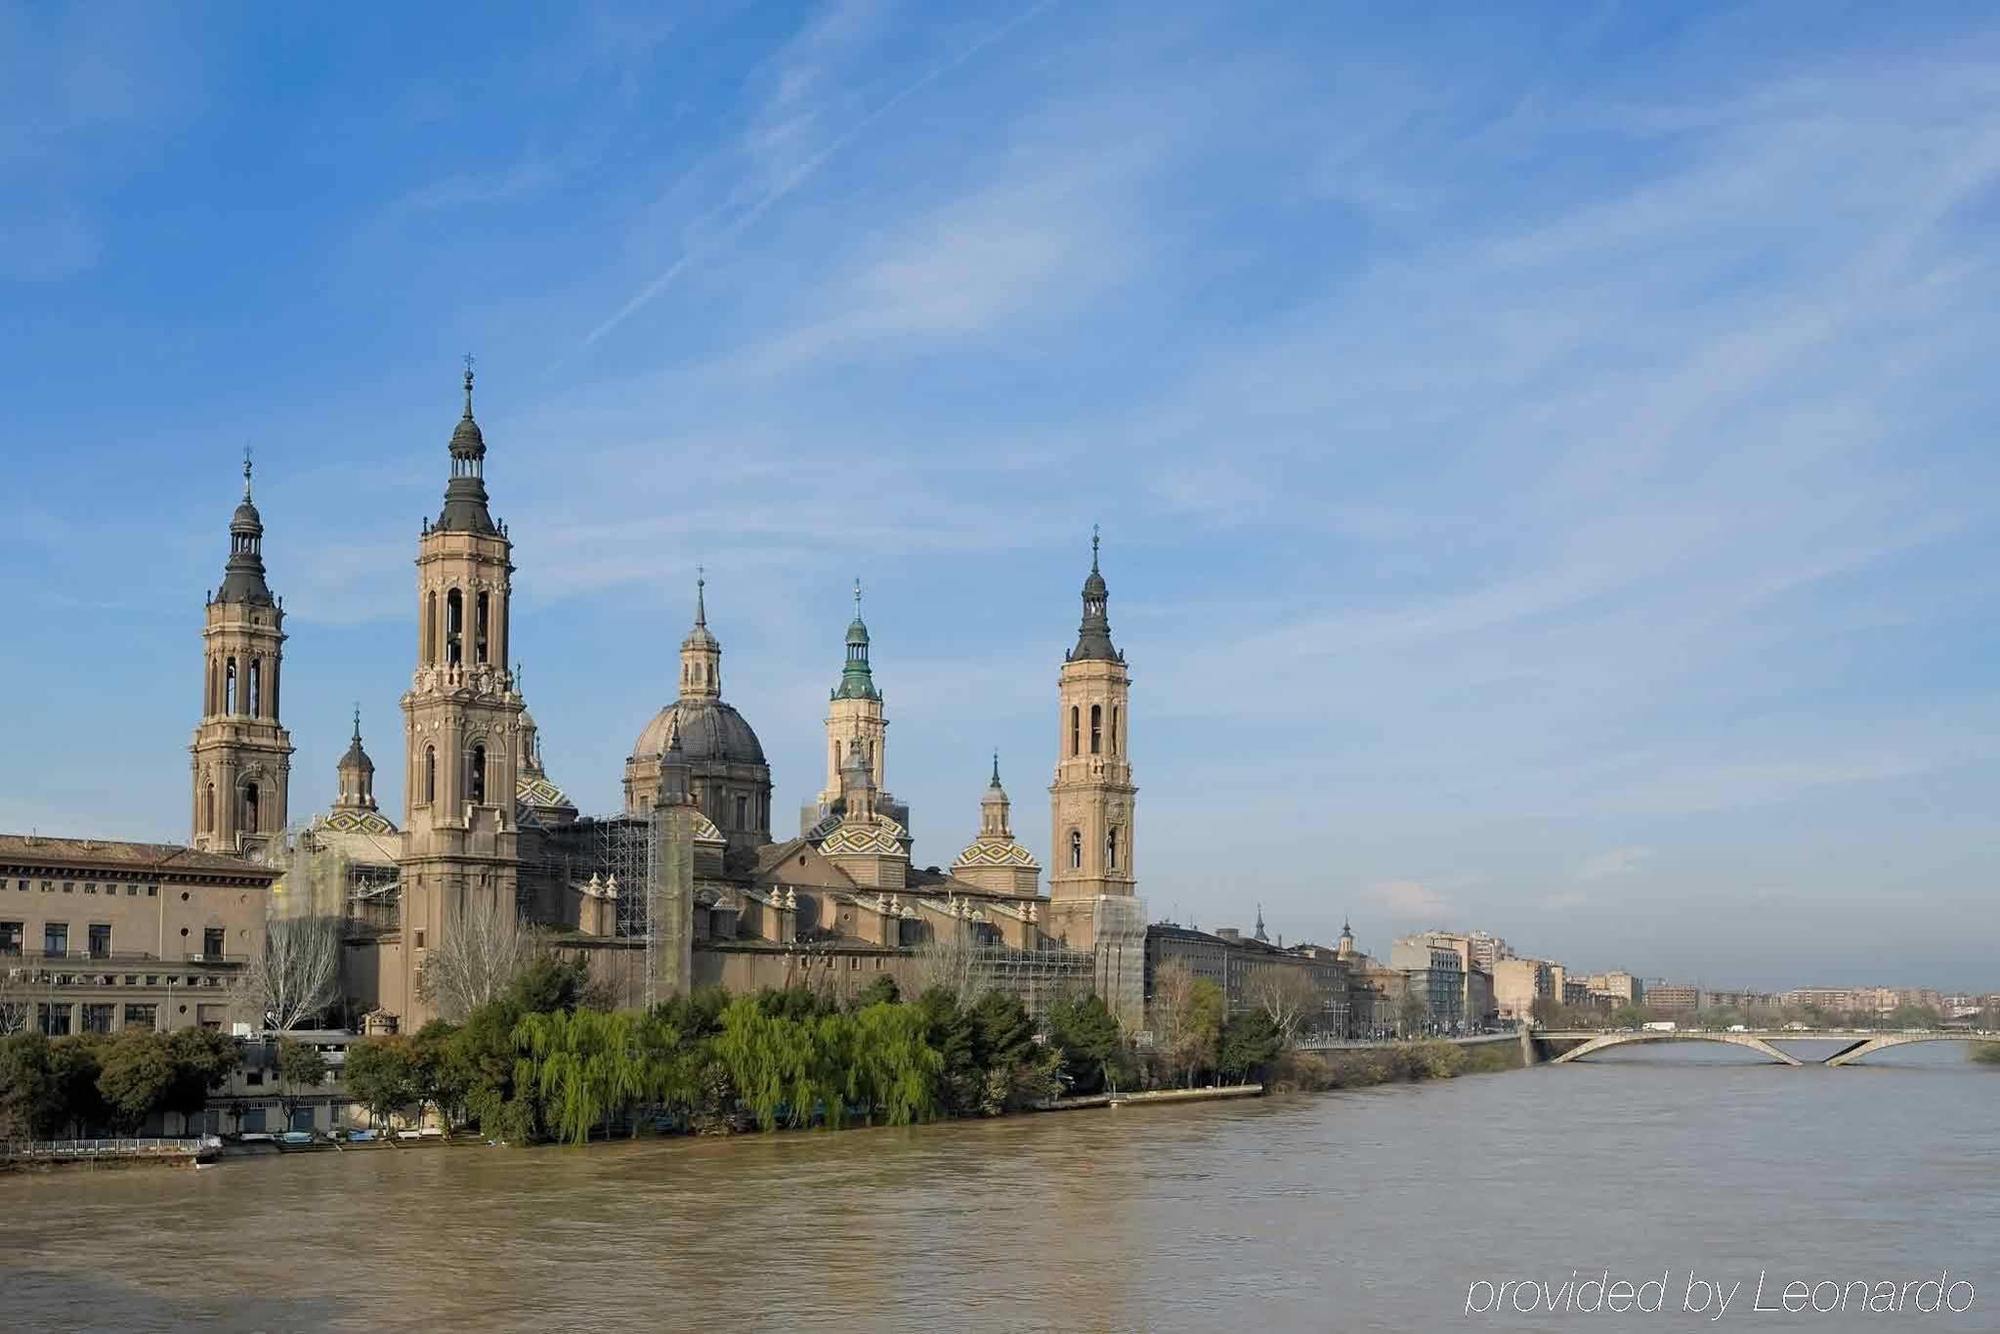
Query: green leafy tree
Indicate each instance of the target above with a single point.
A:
(437, 1078)
(881, 990)
(1085, 1033)
(893, 1067)
(135, 1077)
(951, 1033)
(74, 1065)
(552, 982)
(300, 1066)
(31, 1105)
(1251, 1043)
(203, 1061)
(380, 1075)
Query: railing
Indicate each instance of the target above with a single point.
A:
(80, 956)
(56, 1149)
(205, 956)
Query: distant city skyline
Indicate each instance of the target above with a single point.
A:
(1541, 456)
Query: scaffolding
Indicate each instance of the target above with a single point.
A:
(1038, 978)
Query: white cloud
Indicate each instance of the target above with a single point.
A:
(1410, 901)
(1612, 863)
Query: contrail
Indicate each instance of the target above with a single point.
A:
(804, 171)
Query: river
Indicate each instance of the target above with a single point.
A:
(1375, 1209)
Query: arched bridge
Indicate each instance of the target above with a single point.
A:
(1856, 1042)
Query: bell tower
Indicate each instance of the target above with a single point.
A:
(241, 754)
(1091, 800)
(462, 726)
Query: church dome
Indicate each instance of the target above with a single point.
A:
(709, 730)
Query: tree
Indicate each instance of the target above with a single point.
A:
(549, 982)
(1287, 997)
(948, 962)
(479, 954)
(437, 1078)
(30, 1103)
(881, 990)
(1250, 1043)
(949, 1031)
(1083, 1029)
(1186, 1015)
(203, 1059)
(380, 1077)
(300, 1066)
(136, 1077)
(1629, 1016)
(74, 1066)
(1412, 1013)
(893, 1066)
(296, 976)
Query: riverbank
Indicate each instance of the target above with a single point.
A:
(1397, 1063)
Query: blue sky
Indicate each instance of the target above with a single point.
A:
(1545, 457)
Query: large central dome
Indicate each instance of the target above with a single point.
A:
(709, 730)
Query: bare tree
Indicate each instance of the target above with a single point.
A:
(948, 960)
(1286, 996)
(296, 976)
(481, 951)
(17, 1004)
(1186, 1018)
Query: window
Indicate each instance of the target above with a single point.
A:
(152, 891)
(479, 629)
(131, 891)
(208, 808)
(211, 942)
(1075, 726)
(1075, 850)
(54, 1018)
(430, 650)
(420, 938)
(454, 628)
(1114, 730)
(10, 937)
(69, 886)
(430, 774)
(97, 1017)
(141, 1015)
(1097, 729)
(90, 886)
(100, 939)
(229, 687)
(249, 822)
(55, 938)
(253, 1078)
(1111, 848)
(256, 688)
(743, 812)
(476, 775)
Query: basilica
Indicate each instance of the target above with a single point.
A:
(687, 884)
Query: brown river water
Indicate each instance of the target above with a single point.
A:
(1376, 1209)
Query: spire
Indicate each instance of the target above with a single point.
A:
(701, 652)
(243, 573)
(356, 774)
(993, 807)
(465, 494)
(857, 681)
(1260, 925)
(996, 767)
(1093, 637)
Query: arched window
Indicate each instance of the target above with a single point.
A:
(1097, 729)
(249, 808)
(475, 776)
(256, 687)
(271, 699)
(480, 624)
(1075, 729)
(229, 687)
(1115, 745)
(208, 809)
(213, 700)
(454, 628)
(743, 812)
(1075, 850)
(430, 774)
(1111, 848)
(430, 646)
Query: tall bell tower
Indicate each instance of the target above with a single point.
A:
(462, 727)
(1091, 800)
(241, 756)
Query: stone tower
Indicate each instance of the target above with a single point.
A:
(1091, 800)
(241, 755)
(462, 736)
(855, 718)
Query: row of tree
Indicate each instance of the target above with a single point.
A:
(78, 1085)
(545, 1060)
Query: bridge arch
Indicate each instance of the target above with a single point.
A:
(1606, 1041)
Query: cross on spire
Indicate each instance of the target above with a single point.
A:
(701, 595)
(357, 720)
(246, 472)
(1093, 548)
(857, 595)
(468, 384)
